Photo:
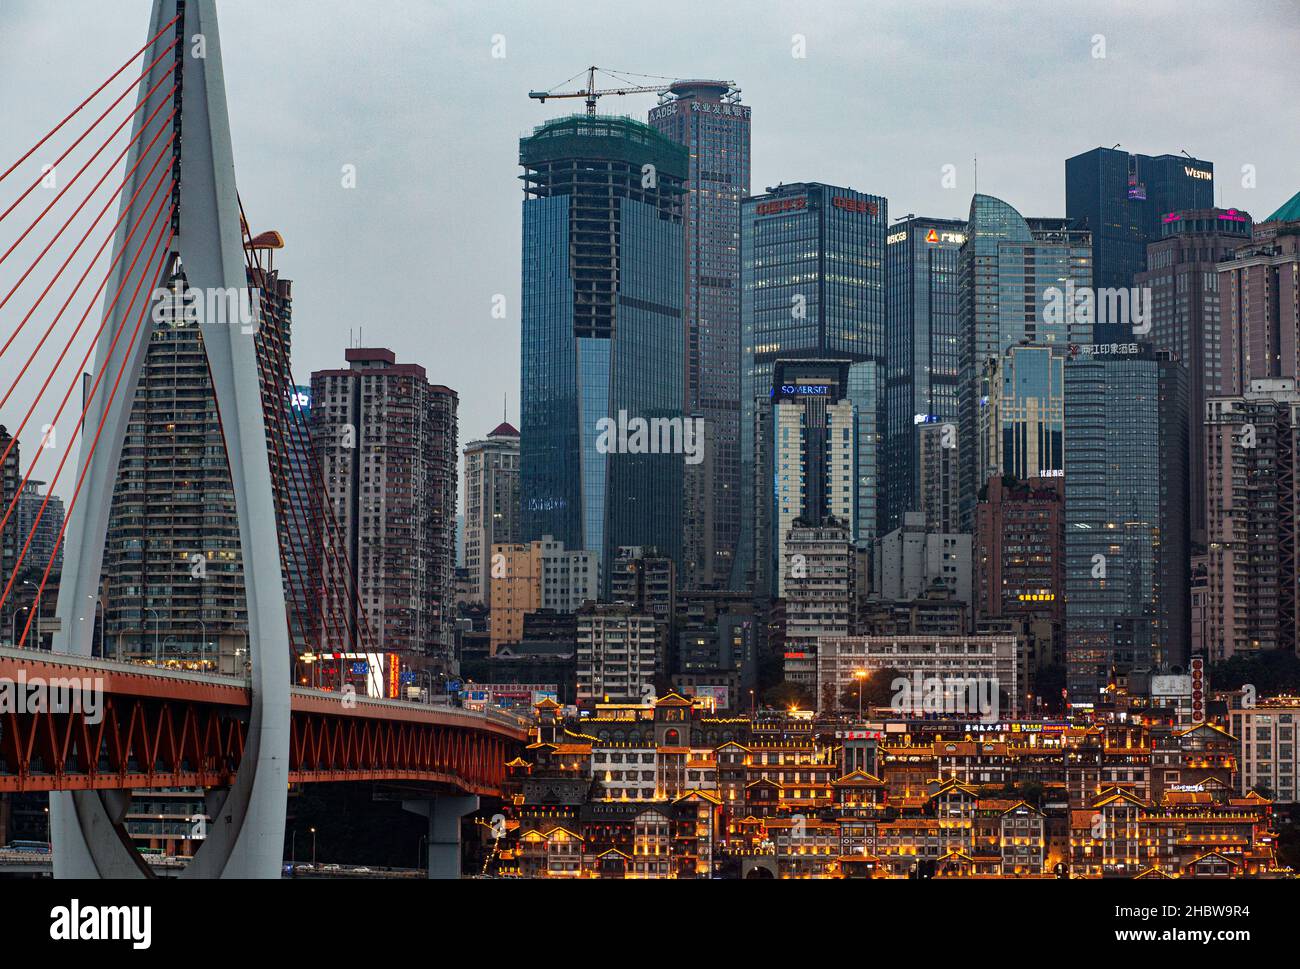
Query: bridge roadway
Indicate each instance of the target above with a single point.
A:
(151, 727)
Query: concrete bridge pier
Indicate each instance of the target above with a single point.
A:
(444, 812)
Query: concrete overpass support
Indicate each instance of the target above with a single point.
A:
(444, 813)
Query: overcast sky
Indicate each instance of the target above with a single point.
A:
(410, 93)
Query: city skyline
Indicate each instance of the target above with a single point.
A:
(451, 169)
(825, 511)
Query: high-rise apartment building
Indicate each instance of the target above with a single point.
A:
(922, 350)
(911, 561)
(1020, 549)
(1122, 198)
(1020, 418)
(1016, 280)
(385, 443)
(938, 476)
(1183, 276)
(1259, 294)
(812, 287)
(173, 580)
(707, 118)
(491, 503)
(603, 336)
(1126, 491)
(530, 576)
(617, 654)
(1250, 480)
(11, 542)
(819, 594)
(44, 530)
(515, 575)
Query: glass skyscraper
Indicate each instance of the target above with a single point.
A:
(1013, 277)
(1121, 199)
(812, 286)
(1127, 575)
(708, 119)
(1021, 433)
(602, 334)
(922, 350)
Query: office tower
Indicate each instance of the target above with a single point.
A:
(602, 334)
(818, 594)
(812, 286)
(808, 451)
(1121, 199)
(173, 579)
(922, 350)
(45, 546)
(1250, 482)
(1126, 492)
(1020, 548)
(385, 443)
(1016, 280)
(491, 503)
(1183, 276)
(616, 654)
(698, 507)
(707, 118)
(1020, 423)
(1259, 293)
(911, 561)
(938, 476)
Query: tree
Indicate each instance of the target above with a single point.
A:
(786, 694)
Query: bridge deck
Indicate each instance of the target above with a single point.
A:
(151, 727)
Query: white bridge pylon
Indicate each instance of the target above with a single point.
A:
(245, 838)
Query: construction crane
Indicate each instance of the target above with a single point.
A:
(591, 93)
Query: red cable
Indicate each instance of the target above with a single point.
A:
(31, 188)
(104, 322)
(292, 480)
(112, 165)
(363, 622)
(72, 181)
(84, 316)
(93, 95)
(144, 311)
(116, 194)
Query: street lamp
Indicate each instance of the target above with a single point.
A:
(203, 644)
(156, 623)
(38, 611)
(313, 847)
(103, 643)
(13, 626)
(859, 675)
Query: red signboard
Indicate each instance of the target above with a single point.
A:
(781, 205)
(855, 205)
